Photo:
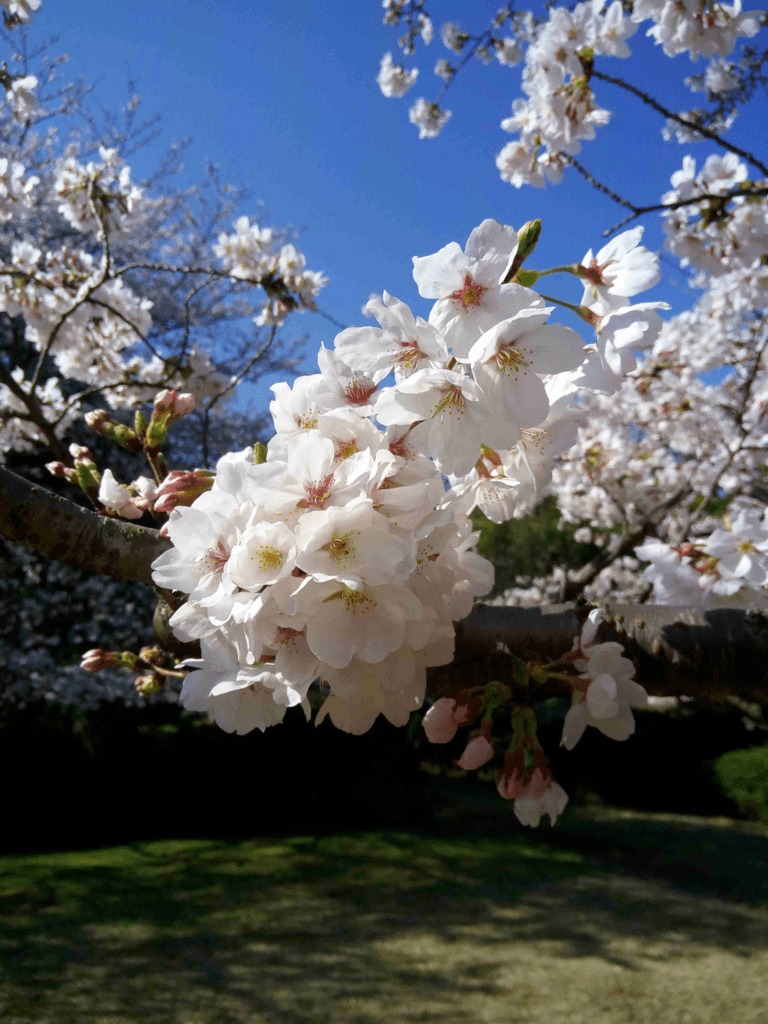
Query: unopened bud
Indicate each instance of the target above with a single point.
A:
(148, 685)
(79, 452)
(259, 453)
(169, 407)
(182, 487)
(173, 405)
(119, 433)
(140, 424)
(97, 660)
(152, 655)
(527, 239)
(86, 474)
(59, 470)
(87, 480)
(477, 752)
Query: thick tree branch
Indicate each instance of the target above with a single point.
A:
(714, 654)
(69, 533)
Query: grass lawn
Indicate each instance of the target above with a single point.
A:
(611, 918)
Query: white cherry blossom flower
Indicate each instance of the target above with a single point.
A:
(393, 79)
(469, 286)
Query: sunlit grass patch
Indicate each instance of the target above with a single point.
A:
(396, 927)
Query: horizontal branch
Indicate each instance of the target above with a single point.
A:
(62, 530)
(712, 653)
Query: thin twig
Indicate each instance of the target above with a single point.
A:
(707, 133)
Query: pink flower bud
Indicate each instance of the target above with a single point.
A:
(440, 722)
(148, 685)
(477, 752)
(173, 405)
(538, 783)
(182, 487)
(97, 660)
(510, 781)
(58, 469)
(79, 451)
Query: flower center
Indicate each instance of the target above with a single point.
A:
(400, 448)
(409, 354)
(594, 272)
(317, 494)
(356, 601)
(452, 399)
(268, 559)
(345, 449)
(342, 546)
(286, 635)
(470, 294)
(359, 391)
(216, 558)
(534, 437)
(510, 359)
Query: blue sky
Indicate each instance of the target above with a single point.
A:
(282, 96)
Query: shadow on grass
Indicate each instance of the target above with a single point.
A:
(289, 930)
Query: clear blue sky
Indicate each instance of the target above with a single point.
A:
(282, 96)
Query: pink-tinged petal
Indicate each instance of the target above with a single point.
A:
(477, 752)
(440, 723)
(574, 726)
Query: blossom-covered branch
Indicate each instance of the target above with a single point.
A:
(69, 533)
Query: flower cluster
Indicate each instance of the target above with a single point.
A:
(689, 433)
(251, 253)
(19, 12)
(605, 691)
(96, 198)
(393, 79)
(728, 566)
(603, 694)
(15, 189)
(559, 110)
(717, 235)
(338, 553)
(696, 28)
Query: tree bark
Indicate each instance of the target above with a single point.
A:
(59, 528)
(714, 653)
